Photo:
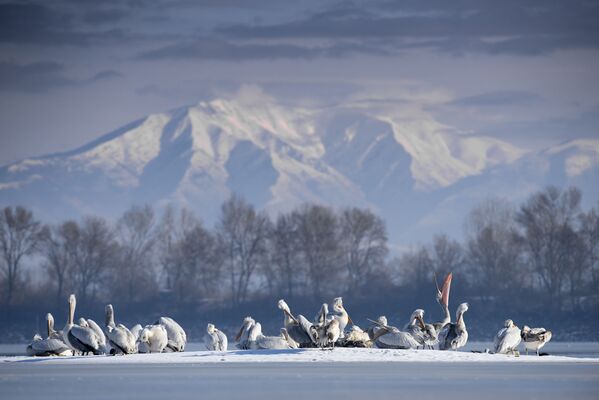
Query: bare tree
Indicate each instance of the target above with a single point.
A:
(447, 254)
(136, 234)
(364, 244)
(547, 219)
(243, 234)
(96, 252)
(493, 250)
(286, 268)
(20, 236)
(318, 237)
(416, 267)
(60, 251)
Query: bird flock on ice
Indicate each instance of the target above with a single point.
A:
(326, 331)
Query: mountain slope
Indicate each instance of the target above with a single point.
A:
(419, 175)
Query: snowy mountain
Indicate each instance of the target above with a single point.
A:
(421, 176)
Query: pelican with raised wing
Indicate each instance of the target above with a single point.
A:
(297, 329)
(214, 339)
(119, 336)
(535, 338)
(455, 335)
(507, 339)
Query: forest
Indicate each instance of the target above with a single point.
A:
(535, 262)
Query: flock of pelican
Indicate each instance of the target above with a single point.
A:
(326, 330)
(87, 337)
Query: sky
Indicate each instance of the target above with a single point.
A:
(520, 70)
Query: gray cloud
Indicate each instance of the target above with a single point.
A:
(218, 49)
(499, 98)
(42, 77)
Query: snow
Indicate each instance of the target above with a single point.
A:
(338, 355)
(300, 374)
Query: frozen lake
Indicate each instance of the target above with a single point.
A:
(291, 374)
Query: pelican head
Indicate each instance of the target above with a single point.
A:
(72, 299)
(418, 315)
(283, 306)
(508, 323)
(210, 328)
(83, 323)
(145, 334)
(525, 329)
(382, 320)
(338, 304)
(247, 324)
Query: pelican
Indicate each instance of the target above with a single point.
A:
(507, 339)
(535, 338)
(80, 338)
(327, 330)
(296, 330)
(430, 336)
(51, 346)
(119, 337)
(416, 326)
(177, 338)
(389, 337)
(376, 326)
(98, 331)
(357, 338)
(283, 341)
(454, 335)
(152, 339)
(242, 337)
(443, 300)
(136, 330)
(341, 315)
(215, 339)
(53, 334)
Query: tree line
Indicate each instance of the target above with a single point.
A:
(541, 253)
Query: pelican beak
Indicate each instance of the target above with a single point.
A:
(291, 316)
(445, 290)
(349, 319)
(421, 321)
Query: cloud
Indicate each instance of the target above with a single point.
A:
(42, 77)
(499, 98)
(218, 49)
(514, 27)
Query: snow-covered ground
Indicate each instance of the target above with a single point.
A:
(340, 373)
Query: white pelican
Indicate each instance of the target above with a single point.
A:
(51, 346)
(152, 339)
(119, 336)
(98, 331)
(416, 327)
(242, 337)
(215, 339)
(431, 337)
(357, 338)
(177, 338)
(443, 300)
(326, 331)
(283, 341)
(53, 334)
(294, 327)
(341, 315)
(535, 338)
(507, 339)
(376, 326)
(389, 337)
(80, 338)
(455, 335)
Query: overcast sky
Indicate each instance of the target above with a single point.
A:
(71, 70)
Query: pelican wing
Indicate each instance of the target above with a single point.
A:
(305, 325)
(121, 339)
(507, 339)
(396, 340)
(49, 347)
(447, 335)
(272, 342)
(84, 339)
(223, 342)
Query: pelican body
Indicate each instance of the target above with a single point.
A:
(214, 339)
(177, 338)
(507, 339)
(535, 338)
(152, 339)
(297, 328)
(51, 346)
(390, 337)
(81, 339)
(455, 335)
(119, 336)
